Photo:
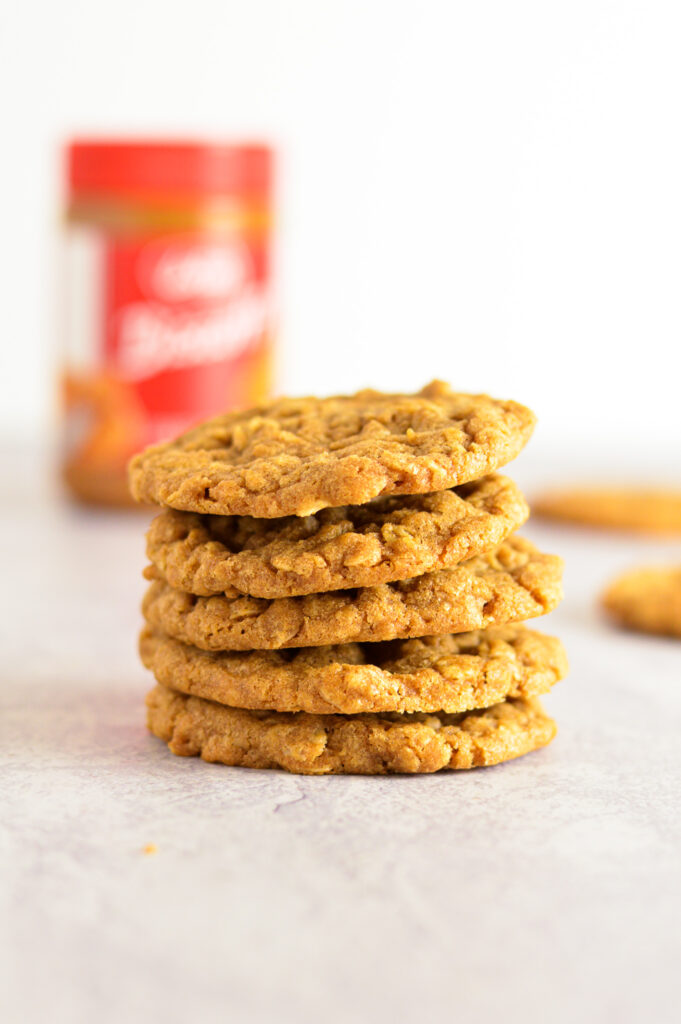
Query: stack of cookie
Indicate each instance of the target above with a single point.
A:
(336, 586)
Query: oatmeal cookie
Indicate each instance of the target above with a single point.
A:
(513, 583)
(437, 673)
(387, 539)
(354, 744)
(641, 510)
(647, 600)
(299, 455)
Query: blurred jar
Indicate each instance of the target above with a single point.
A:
(166, 295)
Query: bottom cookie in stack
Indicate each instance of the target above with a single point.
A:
(454, 701)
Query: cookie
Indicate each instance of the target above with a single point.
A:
(627, 508)
(513, 583)
(353, 744)
(297, 456)
(388, 539)
(647, 600)
(439, 673)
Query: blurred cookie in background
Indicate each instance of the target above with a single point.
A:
(654, 511)
(647, 600)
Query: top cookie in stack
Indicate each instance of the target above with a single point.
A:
(299, 455)
(305, 543)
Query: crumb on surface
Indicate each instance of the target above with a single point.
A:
(150, 848)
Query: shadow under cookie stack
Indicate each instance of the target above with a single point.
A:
(336, 587)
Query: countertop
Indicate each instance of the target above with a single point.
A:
(546, 889)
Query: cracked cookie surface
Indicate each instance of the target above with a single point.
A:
(339, 744)
(641, 510)
(440, 673)
(513, 583)
(297, 456)
(647, 600)
(390, 538)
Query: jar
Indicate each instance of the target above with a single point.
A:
(166, 298)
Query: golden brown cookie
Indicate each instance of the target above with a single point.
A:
(642, 510)
(648, 600)
(299, 455)
(340, 744)
(437, 673)
(357, 546)
(513, 583)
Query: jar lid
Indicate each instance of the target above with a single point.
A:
(147, 168)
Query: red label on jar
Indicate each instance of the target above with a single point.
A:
(186, 317)
(181, 332)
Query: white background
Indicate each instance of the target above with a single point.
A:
(488, 192)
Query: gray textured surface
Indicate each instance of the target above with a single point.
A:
(546, 889)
